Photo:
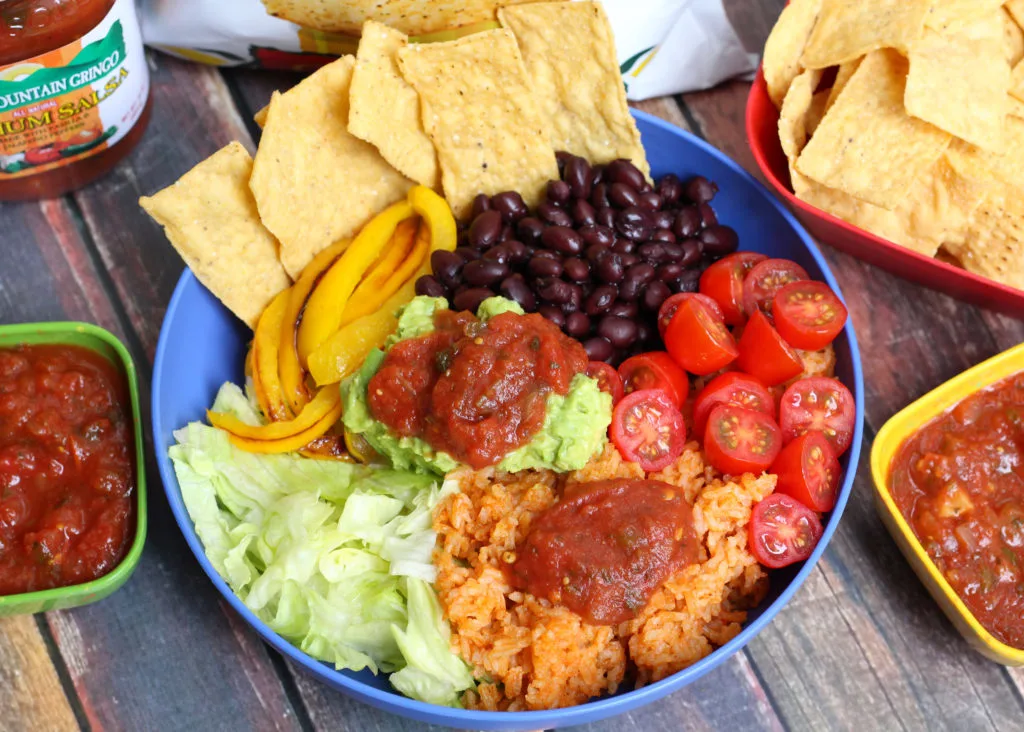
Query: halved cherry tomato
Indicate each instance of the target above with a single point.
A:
(723, 281)
(698, 340)
(783, 531)
(819, 404)
(765, 279)
(764, 354)
(738, 440)
(648, 430)
(731, 388)
(808, 471)
(674, 302)
(808, 314)
(655, 370)
(607, 378)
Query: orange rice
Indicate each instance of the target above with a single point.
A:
(530, 654)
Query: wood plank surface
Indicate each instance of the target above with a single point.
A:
(31, 695)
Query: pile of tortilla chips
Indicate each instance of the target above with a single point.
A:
(482, 114)
(906, 118)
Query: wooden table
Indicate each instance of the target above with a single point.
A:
(861, 646)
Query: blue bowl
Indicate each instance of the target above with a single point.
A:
(202, 345)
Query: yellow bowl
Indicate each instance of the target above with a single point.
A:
(887, 444)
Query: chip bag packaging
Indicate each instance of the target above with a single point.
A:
(672, 46)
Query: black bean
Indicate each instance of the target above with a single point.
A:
(719, 240)
(545, 254)
(663, 219)
(430, 286)
(645, 187)
(562, 239)
(687, 222)
(515, 288)
(517, 251)
(593, 234)
(507, 233)
(596, 175)
(577, 325)
(646, 333)
(670, 271)
(700, 190)
(599, 196)
(485, 229)
(633, 223)
(553, 290)
(470, 299)
(688, 282)
(672, 250)
(623, 196)
(708, 217)
(481, 203)
(558, 192)
(555, 315)
(598, 349)
(577, 270)
(663, 235)
(654, 295)
(529, 230)
(485, 272)
(575, 300)
(446, 266)
(670, 188)
(498, 253)
(623, 171)
(653, 253)
(627, 310)
(628, 260)
(608, 268)
(468, 254)
(562, 157)
(600, 299)
(582, 212)
(510, 205)
(553, 215)
(629, 290)
(544, 267)
(620, 332)
(693, 250)
(594, 251)
(605, 216)
(650, 201)
(642, 272)
(624, 246)
(577, 175)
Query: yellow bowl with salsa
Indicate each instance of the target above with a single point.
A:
(944, 403)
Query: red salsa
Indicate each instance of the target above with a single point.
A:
(475, 390)
(67, 470)
(606, 547)
(959, 481)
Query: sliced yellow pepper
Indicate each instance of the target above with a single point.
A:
(326, 304)
(292, 375)
(438, 215)
(266, 380)
(295, 442)
(325, 402)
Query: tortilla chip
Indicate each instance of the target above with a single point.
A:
(314, 182)
(1017, 81)
(843, 76)
(958, 82)
(782, 51)
(1007, 167)
(411, 17)
(796, 107)
(569, 52)
(1016, 107)
(479, 112)
(210, 218)
(816, 113)
(1013, 37)
(385, 110)
(260, 118)
(846, 30)
(948, 15)
(867, 145)
(1016, 10)
(994, 246)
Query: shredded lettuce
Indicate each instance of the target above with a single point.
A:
(335, 557)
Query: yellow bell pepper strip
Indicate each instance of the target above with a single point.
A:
(326, 401)
(266, 380)
(289, 444)
(292, 375)
(327, 302)
(436, 212)
(401, 244)
(358, 448)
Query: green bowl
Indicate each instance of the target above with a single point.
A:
(96, 339)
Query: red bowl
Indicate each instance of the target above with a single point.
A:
(763, 137)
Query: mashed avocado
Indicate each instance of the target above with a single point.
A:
(575, 425)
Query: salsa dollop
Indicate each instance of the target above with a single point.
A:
(959, 482)
(606, 547)
(67, 472)
(472, 389)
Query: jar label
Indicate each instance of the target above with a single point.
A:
(67, 104)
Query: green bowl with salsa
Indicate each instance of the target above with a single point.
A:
(92, 446)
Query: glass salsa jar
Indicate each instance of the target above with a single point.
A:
(74, 92)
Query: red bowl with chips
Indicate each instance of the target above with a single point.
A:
(763, 138)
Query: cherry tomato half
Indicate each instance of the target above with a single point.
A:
(723, 282)
(731, 388)
(819, 404)
(764, 354)
(607, 379)
(783, 531)
(808, 471)
(655, 370)
(808, 314)
(698, 340)
(674, 302)
(648, 429)
(738, 440)
(765, 279)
